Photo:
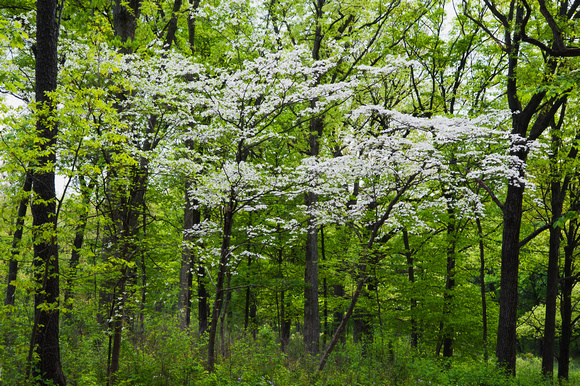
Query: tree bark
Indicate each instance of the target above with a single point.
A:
(45, 333)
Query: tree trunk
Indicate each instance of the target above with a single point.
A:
(450, 280)
(286, 322)
(202, 297)
(552, 283)
(219, 293)
(45, 333)
(568, 282)
(16, 239)
(411, 277)
(311, 306)
(482, 288)
(78, 242)
(191, 216)
(508, 301)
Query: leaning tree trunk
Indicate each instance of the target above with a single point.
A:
(16, 239)
(45, 333)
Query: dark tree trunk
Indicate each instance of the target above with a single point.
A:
(203, 303)
(191, 216)
(506, 334)
(568, 282)
(172, 26)
(45, 333)
(16, 239)
(311, 306)
(219, 295)
(482, 288)
(286, 322)
(411, 276)
(77, 243)
(450, 280)
(557, 203)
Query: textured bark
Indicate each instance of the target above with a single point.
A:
(45, 333)
(16, 239)
(506, 334)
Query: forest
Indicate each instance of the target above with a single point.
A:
(274, 192)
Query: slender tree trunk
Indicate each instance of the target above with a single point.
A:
(482, 288)
(219, 294)
(16, 239)
(411, 276)
(450, 280)
(311, 306)
(172, 26)
(202, 297)
(568, 283)
(552, 284)
(286, 322)
(342, 326)
(45, 332)
(191, 216)
(77, 243)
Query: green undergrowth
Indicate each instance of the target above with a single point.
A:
(162, 354)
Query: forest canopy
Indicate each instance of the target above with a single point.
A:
(273, 191)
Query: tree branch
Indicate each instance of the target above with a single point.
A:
(491, 193)
(532, 235)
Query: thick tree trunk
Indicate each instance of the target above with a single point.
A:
(45, 333)
(508, 302)
(16, 239)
